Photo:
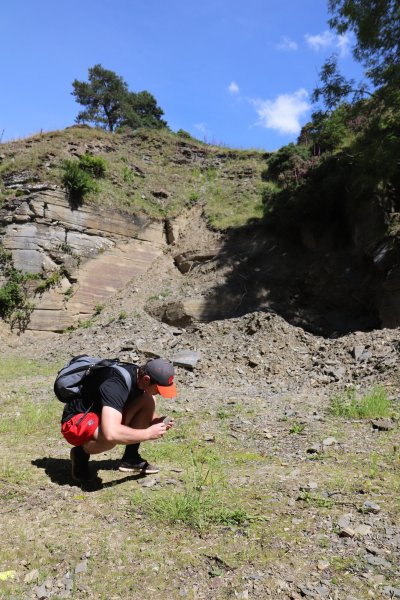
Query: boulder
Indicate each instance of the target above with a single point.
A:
(188, 260)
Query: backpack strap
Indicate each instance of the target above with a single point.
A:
(118, 366)
(125, 374)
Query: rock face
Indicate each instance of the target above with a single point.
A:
(308, 278)
(98, 249)
(99, 278)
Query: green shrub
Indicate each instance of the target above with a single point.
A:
(66, 248)
(69, 292)
(193, 198)
(50, 282)
(96, 166)
(127, 174)
(332, 130)
(11, 296)
(184, 134)
(289, 159)
(86, 324)
(6, 261)
(77, 182)
(297, 428)
(21, 316)
(15, 308)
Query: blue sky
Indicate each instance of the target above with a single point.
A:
(231, 72)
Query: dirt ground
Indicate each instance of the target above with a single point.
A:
(264, 491)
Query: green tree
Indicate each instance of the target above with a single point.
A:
(332, 131)
(141, 110)
(354, 140)
(376, 25)
(103, 95)
(334, 87)
(110, 104)
(288, 164)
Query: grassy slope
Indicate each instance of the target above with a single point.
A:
(143, 163)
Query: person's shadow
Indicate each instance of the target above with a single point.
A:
(59, 471)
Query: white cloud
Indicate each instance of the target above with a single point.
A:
(320, 41)
(327, 39)
(343, 44)
(204, 130)
(202, 127)
(283, 114)
(233, 88)
(287, 44)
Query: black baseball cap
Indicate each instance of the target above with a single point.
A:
(162, 373)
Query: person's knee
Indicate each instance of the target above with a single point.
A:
(141, 412)
(147, 402)
(150, 403)
(93, 447)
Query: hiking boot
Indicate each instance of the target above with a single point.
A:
(80, 464)
(138, 466)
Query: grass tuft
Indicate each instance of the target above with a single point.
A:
(199, 504)
(375, 403)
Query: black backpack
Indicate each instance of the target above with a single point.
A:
(68, 383)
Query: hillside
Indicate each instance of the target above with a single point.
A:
(157, 173)
(159, 191)
(280, 478)
(117, 230)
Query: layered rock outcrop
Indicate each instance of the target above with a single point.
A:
(99, 251)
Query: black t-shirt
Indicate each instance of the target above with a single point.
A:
(104, 387)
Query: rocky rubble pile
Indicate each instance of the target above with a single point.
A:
(256, 348)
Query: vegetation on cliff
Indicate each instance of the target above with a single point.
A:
(153, 172)
(346, 157)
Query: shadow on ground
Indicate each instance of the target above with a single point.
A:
(59, 471)
(326, 289)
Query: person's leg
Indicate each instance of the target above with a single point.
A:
(139, 415)
(80, 470)
(98, 444)
(80, 455)
(78, 431)
(140, 412)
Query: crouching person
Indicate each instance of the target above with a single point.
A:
(108, 412)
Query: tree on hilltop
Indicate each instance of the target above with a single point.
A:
(141, 110)
(110, 104)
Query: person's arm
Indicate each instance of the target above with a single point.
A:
(114, 431)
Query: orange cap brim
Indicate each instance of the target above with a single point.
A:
(168, 391)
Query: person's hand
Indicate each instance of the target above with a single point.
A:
(156, 431)
(161, 419)
(170, 423)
